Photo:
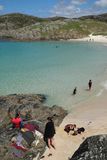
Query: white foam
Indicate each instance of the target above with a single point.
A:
(104, 84)
(100, 93)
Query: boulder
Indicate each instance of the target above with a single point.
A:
(93, 148)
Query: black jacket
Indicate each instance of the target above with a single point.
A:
(49, 130)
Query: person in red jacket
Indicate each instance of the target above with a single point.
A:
(16, 121)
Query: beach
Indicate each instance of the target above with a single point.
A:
(92, 38)
(67, 64)
(92, 115)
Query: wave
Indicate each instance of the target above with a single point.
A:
(100, 93)
(104, 85)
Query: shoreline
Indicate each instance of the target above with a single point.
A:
(89, 38)
(92, 115)
(92, 38)
(85, 114)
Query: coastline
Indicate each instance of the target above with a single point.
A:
(91, 115)
(92, 38)
(89, 38)
(85, 115)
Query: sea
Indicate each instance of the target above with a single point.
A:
(53, 68)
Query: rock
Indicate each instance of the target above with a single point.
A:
(32, 110)
(93, 148)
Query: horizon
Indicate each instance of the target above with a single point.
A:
(54, 8)
(53, 16)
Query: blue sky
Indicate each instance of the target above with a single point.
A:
(49, 8)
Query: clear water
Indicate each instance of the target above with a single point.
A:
(53, 69)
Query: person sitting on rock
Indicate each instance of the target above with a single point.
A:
(16, 121)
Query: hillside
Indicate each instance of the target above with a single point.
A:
(101, 17)
(24, 27)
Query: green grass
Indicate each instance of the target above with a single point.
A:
(86, 26)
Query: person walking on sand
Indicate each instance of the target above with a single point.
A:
(90, 84)
(49, 134)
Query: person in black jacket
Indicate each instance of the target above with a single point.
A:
(49, 133)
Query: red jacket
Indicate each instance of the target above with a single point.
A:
(16, 122)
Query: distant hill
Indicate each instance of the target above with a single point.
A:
(22, 27)
(101, 17)
(18, 20)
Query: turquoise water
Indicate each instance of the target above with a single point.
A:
(53, 69)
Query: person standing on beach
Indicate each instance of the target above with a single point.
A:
(74, 91)
(49, 134)
(90, 84)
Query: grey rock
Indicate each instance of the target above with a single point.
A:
(93, 148)
(32, 110)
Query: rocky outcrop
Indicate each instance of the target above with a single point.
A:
(93, 148)
(32, 109)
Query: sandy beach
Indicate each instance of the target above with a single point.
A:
(92, 115)
(93, 38)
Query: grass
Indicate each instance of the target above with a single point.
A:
(86, 26)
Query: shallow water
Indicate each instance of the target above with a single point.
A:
(53, 69)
